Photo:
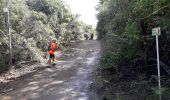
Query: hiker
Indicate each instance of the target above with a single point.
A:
(51, 51)
(86, 36)
(91, 37)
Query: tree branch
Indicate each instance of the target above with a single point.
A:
(168, 5)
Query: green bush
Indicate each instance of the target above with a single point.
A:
(108, 60)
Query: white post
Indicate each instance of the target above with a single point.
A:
(159, 76)
(9, 31)
(156, 32)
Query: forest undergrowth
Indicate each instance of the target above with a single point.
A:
(128, 68)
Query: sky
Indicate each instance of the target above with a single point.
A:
(86, 10)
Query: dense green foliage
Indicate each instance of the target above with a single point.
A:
(32, 22)
(125, 27)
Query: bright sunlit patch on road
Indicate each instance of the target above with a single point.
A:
(56, 82)
(30, 88)
(6, 98)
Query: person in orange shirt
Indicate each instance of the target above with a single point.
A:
(51, 51)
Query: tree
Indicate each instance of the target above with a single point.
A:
(32, 23)
(125, 27)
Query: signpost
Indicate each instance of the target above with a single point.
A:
(156, 32)
(6, 11)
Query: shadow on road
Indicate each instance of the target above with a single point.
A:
(68, 80)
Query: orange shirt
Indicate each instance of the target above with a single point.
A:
(52, 48)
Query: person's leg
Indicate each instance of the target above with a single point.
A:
(53, 57)
(49, 61)
(50, 57)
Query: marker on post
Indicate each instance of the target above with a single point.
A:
(156, 32)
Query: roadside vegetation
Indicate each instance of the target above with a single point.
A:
(129, 67)
(32, 22)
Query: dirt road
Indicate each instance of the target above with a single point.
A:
(68, 80)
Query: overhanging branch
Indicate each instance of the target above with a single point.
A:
(156, 11)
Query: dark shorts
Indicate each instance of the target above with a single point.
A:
(52, 56)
